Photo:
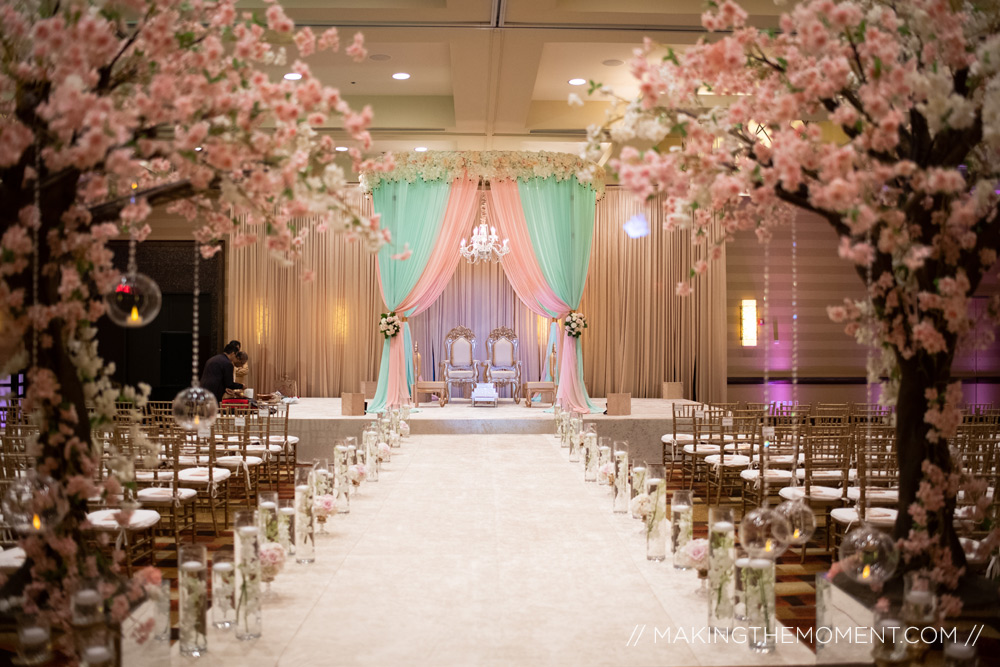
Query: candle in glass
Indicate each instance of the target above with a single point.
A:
(286, 525)
(656, 535)
(622, 494)
(681, 509)
(304, 535)
(248, 612)
(721, 557)
(267, 509)
(97, 656)
(33, 636)
(192, 586)
(223, 589)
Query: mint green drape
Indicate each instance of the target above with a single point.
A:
(560, 219)
(413, 214)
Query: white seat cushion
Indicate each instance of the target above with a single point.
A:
(701, 449)
(877, 495)
(158, 495)
(670, 438)
(154, 475)
(503, 375)
(11, 560)
(200, 475)
(256, 448)
(460, 374)
(827, 475)
(291, 440)
(191, 460)
(730, 460)
(880, 517)
(738, 446)
(140, 519)
(817, 494)
(773, 474)
(236, 460)
(785, 459)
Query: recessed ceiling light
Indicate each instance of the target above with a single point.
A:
(400, 76)
(341, 148)
(612, 62)
(420, 149)
(379, 57)
(197, 148)
(577, 82)
(293, 76)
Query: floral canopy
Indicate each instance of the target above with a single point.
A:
(544, 202)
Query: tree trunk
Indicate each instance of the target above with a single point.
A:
(918, 374)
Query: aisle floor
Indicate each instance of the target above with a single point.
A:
(487, 550)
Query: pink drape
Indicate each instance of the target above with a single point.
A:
(520, 265)
(441, 265)
(568, 394)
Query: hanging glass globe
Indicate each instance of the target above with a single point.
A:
(801, 521)
(25, 508)
(764, 533)
(134, 301)
(868, 555)
(195, 408)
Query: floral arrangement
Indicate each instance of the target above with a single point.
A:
(357, 473)
(575, 323)
(324, 505)
(384, 452)
(248, 568)
(110, 109)
(722, 546)
(272, 560)
(606, 474)
(905, 173)
(641, 506)
(694, 554)
(404, 429)
(390, 324)
(486, 165)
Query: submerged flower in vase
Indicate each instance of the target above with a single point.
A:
(641, 506)
(606, 474)
(694, 555)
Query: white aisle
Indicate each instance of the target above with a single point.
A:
(486, 550)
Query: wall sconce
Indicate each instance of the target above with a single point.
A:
(748, 322)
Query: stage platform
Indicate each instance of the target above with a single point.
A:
(319, 424)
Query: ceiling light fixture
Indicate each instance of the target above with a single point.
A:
(420, 149)
(577, 82)
(293, 76)
(341, 148)
(379, 57)
(400, 76)
(612, 62)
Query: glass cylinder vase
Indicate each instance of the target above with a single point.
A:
(192, 586)
(758, 596)
(575, 441)
(369, 443)
(304, 535)
(247, 547)
(590, 457)
(341, 484)
(638, 488)
(622, 493)
(286, 525)
(682, 525)
(267, 511)
(656, 520)
(721, 567)
(223, 590)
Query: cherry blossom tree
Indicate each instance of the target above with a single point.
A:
(108, 109)
(911, 186)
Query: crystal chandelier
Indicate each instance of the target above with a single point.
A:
(485, 245)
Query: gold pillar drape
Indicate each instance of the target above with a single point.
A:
(324, 334)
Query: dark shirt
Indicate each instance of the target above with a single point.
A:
(218, 376)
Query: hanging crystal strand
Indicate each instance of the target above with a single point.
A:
(194, 312)
(766, 434)
(869, 360)
(795, 335)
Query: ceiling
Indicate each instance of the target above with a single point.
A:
(491, 74)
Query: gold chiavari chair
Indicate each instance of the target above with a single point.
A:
(873, 468)
(232, 437)
(681, 434)
(775, 459)
(740, 429)
(288, 456)
(709, 439)
(159, 488)
(876, 445)
(198, 470)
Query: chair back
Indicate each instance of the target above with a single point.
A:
(501, 347)
(460, 344)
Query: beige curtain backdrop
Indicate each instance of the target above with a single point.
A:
(323, 334)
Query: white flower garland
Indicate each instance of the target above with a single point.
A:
(487, 165)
